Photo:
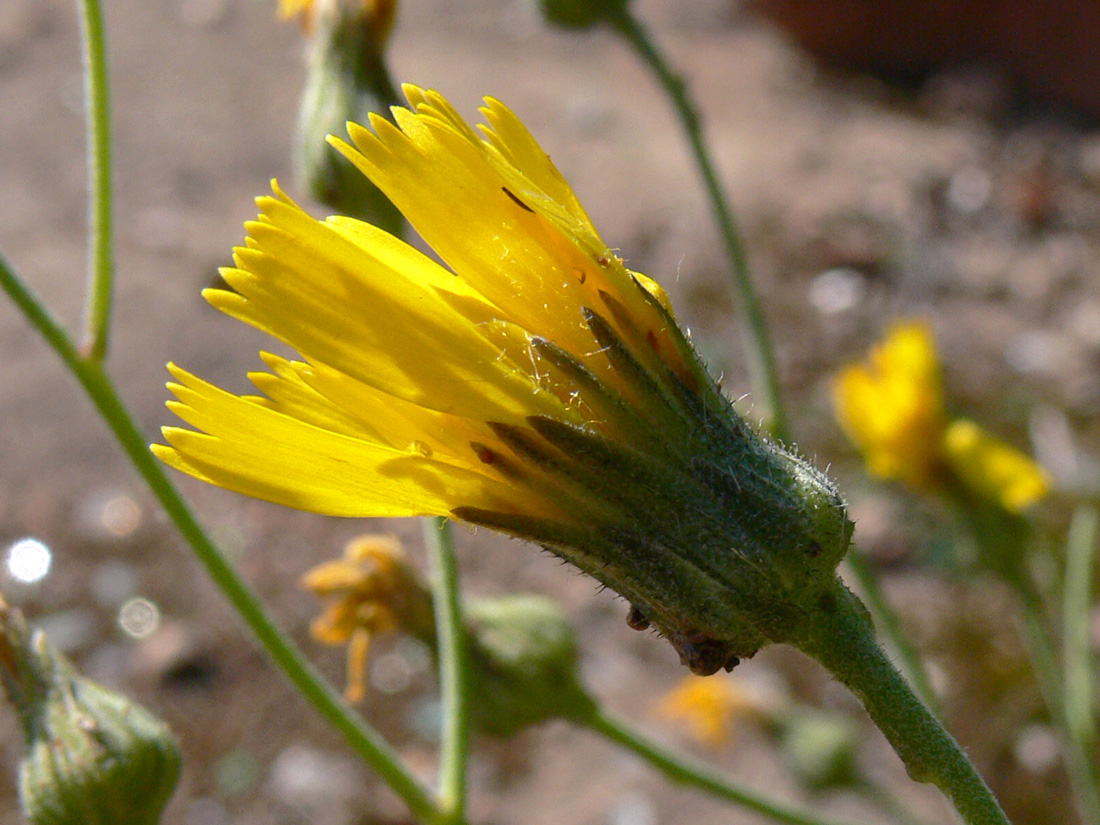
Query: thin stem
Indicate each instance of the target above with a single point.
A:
(886, 620)
(453, 670)
(363, 738)
(1076, 751)
(680, 769)
(1000, 538)
(1076, 603)
(839, 636)
(97, 105)
(761, 356)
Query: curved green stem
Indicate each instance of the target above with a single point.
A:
(839, 636)
(363, 738)
(886, 620)
(761, 356)
(453, 670)
(97, 94)
(680, 769)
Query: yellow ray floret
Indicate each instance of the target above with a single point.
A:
(246, 446)
(376, 314)
(503, 218)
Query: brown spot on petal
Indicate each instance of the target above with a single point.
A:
(484, 454)
(515, 199)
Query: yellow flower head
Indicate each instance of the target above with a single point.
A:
(711, 708)
(370, 591)
(536, 386)
(892, 406)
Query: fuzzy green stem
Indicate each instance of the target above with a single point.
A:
(97, 105)
(889, 624)
(840, 637)
(453, 669)
(761, 356)
(681, 769)
(99, 388)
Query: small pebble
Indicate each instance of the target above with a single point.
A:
(1038, 351)
(837, 290)
(306, 778)
(1084, 322)
(632, 808)
(969, 190)
(1036, 749)
(390, 673)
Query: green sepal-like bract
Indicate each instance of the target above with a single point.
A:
(721, 539)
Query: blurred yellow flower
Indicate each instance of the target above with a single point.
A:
(710, 708)
(376, 15)
(892, 408)
(536, 386)
(289, 9)
(370, 591)
(992, 468)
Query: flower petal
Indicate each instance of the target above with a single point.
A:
(372, 315)
(252, 449)
(495, 226)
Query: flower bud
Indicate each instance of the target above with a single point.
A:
(523, 662)
(92, 756)
(347, 80)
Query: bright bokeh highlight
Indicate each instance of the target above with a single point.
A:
(29, 560)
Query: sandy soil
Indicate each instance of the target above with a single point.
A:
(859, 202)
